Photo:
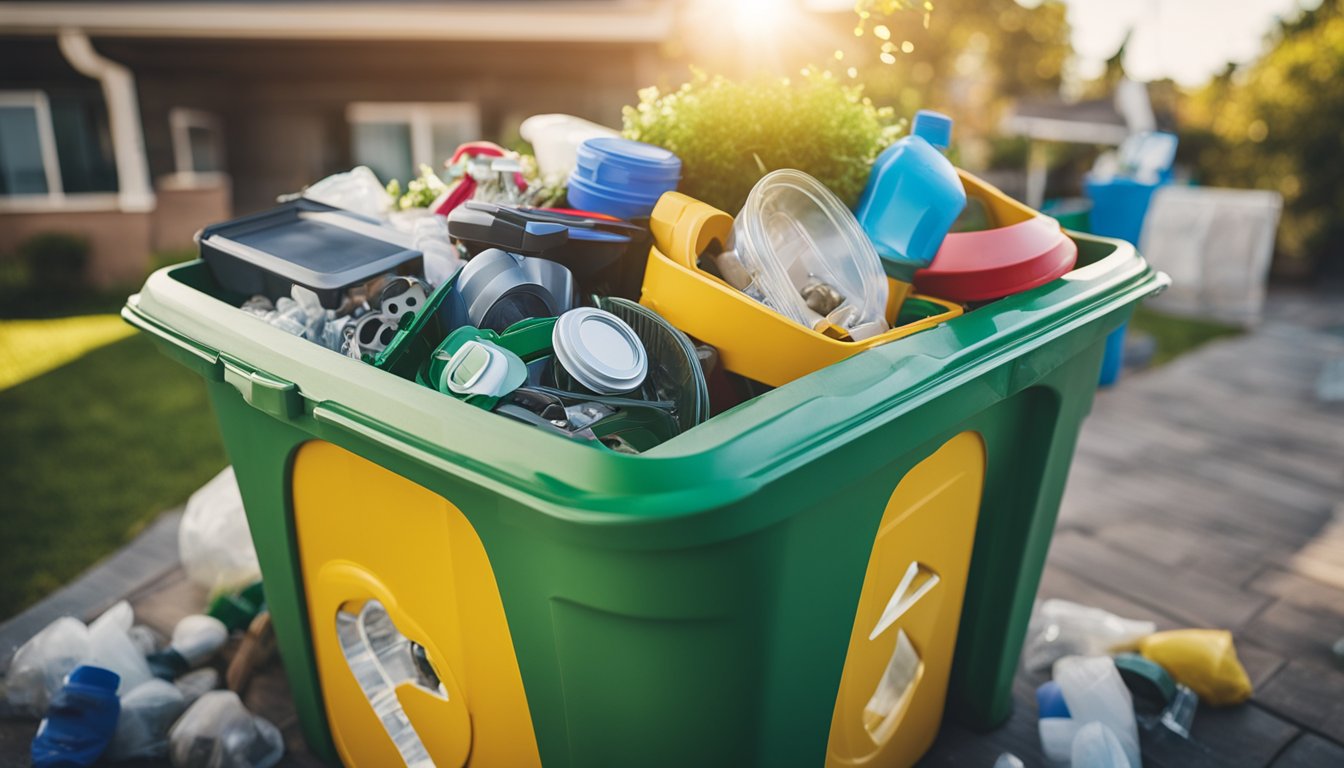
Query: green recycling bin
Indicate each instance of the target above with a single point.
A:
(801, 580)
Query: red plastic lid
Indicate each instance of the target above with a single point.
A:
(993, 263)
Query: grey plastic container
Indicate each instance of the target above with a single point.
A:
(303, 242)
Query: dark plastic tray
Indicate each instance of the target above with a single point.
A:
(305, 243)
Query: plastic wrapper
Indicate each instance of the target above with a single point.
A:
(111, 647)
(357, 190)
(1060, 628)
(147, 713)
(218, 732)
(40, 665)
(1095, 693)
(214, 542)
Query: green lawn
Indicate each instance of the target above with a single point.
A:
(89, 453)
(1177, 335)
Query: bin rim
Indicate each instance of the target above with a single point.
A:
(729, 457)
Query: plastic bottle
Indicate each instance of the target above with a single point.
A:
(81, 720)
(1094, 692)
(912, 197)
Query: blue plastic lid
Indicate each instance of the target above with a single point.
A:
(640, 159)
(933, 127)
(95, 677)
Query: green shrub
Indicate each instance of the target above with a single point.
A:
(729, 134)
(55, 261)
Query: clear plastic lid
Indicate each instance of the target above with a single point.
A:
(807, 257)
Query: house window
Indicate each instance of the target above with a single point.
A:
(28, 165)
(394, 138)
(198, 143)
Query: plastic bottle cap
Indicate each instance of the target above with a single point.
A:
(933, 127)
(600, 351)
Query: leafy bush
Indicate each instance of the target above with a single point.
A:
(729, 134)
(55, 261)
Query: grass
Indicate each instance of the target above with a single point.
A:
(1176, 336)
(90, 453)
(30, 348)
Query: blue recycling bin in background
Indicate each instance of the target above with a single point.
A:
(1119, 204)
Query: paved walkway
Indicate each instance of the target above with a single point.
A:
(1208, 492)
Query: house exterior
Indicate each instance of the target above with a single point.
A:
(135, 124)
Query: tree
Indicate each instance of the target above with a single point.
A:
(1276, 124)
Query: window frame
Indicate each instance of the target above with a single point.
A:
(180, 122)
(46, 142)
(420, 117)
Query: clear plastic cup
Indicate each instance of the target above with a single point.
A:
(796, 248)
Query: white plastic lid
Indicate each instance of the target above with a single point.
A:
(600, 351)
(793, 232)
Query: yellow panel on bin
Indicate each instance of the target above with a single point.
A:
(895, 677)
(366, 533)
(752, 340)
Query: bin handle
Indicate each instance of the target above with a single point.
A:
(683, 228)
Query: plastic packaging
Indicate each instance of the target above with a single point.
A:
(214, 542)
(797, 249)
(111, 647)
(147, 713)
(1094, 692)
(1061, 628)
(555, 140)
(218, 732)
(912, 197)
(1203, 659)
(357, 190)
(1097, 746)
(38, 668)
(80, 722)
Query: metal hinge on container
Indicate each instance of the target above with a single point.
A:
(263, 391)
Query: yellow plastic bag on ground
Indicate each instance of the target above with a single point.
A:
(1203, 659)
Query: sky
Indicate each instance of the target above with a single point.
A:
(1186, 40)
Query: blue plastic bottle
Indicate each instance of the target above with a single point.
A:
(912, 198)
(80, 721)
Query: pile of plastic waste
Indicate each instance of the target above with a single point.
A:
(1112, 677)
(114, 690)
(534, 286)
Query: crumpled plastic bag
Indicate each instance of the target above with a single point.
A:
(1060, 628)
(147, 713)
(111, 647)
(40, 665)
(357, 190)
(218, 732)
(1203, 659)
(214, 542)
